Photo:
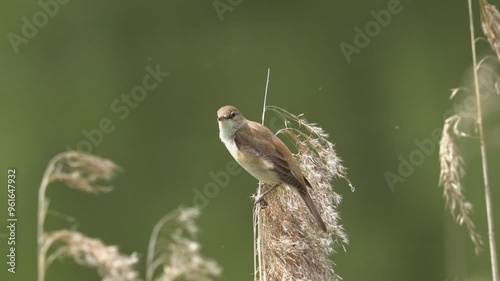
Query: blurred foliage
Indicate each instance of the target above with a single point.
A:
(67, 77)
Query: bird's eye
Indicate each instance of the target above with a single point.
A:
(233, 114)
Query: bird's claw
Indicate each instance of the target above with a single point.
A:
(260, 200)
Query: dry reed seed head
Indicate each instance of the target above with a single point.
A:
(451, 161)
(91, 252)
(490, 21)
(84, 172)
(178, 251)
(293, 247)
(450, 178)
(187, 218)
(316, 138)
(189, 266)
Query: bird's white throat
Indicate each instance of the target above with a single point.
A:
(228, 128)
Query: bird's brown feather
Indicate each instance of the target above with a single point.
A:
(253, 139)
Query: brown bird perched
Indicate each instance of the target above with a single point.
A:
(263, 155)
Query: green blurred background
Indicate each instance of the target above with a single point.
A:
(395, 91)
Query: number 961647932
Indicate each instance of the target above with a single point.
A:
(11, 190)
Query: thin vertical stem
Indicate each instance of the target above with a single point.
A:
(255, 244)
(150, 263)
(42, 212)
(265, 96)
(257, 218)
(487, 191)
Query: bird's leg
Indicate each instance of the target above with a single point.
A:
(260, 199)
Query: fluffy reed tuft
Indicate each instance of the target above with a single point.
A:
(291, 246)
(84, 172)
(91, 252)
(452, 173)
(172, 245)
(490, 21)
(80, 171)
(174, 248)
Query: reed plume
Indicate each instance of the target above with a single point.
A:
(450, 178)
(451, 161)
(80, 171)
(173, 252)
(92, 253)
(290, 245)
(490, 21)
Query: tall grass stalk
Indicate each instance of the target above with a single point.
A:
(484, 161)
(258, 262)
(42, 213)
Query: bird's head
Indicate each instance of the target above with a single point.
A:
(230, 114)
(230, 120)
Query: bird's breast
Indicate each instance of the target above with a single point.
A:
(230, 145)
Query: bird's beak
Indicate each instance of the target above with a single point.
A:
(220, 118)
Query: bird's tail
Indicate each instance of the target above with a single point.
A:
(310, 204)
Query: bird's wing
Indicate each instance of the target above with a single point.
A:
(259, 141)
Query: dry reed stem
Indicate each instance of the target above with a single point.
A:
(258, 262)
(487, 190)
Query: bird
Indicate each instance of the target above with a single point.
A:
(263, 155)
